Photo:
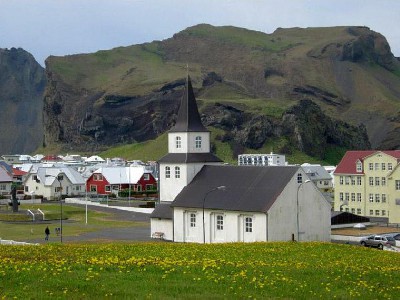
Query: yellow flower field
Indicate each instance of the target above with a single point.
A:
(169, 271)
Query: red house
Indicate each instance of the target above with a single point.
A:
(107, 180)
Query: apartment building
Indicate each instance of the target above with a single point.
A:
(368, 184)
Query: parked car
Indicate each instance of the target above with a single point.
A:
(396, 236)
(378, 241)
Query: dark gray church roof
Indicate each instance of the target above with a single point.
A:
(162, 211)
(248, 188)
(189, 158)
(188, 119)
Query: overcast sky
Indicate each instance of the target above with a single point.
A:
(62, 27)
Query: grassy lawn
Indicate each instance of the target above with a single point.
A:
(73, 223)
(190, 271)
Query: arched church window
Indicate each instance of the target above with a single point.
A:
(177, 172)
(167, 172)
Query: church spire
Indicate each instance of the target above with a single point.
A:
(188, 115)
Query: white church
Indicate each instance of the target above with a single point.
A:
(203, 200)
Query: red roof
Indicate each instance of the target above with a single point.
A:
(51, 158)
(18, 172)
(348, 163)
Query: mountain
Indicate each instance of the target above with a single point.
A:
(22, 83)
(307, 89)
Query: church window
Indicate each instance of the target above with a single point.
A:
(167, 172)
(178, 142)
(299, 178)
(177, 172)
(198, 142)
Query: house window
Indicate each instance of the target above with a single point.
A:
(353, 210)
(326, 182)
(220, 222)
(347, 197)
(149, 187)
(358, 211)
(383, 212)
(383, 181)
(383, 166)
(397, 185)
(3, 187)
(371, 181)
(371, 197)
(371, 212)
(377, 212)
(377, 198)
(371, 166)
(26, 188)
(178, 142)
(167, 172)
(359, 166)
(146, 177)
(299, 178)
(376, 166)
(177, 172)
(115, 187)
(341, 180)
(93, 188)
(198, 142)
(341, 197)
(353, 180)
(390, 166)
(347, 180)
(377, 180)
(353, 197)
(249, 224)
(97, 177)
(108, 188)
(359, 180)
(192, 220)
(347, 209)
(383, 198)
(358, 197)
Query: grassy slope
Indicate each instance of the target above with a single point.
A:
(140, 69)
(190, 271)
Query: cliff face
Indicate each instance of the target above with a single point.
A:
(248, 84)
(22, 83)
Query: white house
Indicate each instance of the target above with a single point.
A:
(5, 181)
(52, 182)
(271, 159)
(258, 204)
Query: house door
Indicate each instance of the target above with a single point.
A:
(218, 228)
(192, 225)
(246, 230)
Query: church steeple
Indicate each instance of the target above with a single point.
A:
(188, 115)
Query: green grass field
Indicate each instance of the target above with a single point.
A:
(74, 221)
(189, 271)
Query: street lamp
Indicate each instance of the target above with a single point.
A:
(297, 205)
(222, 187)
(61, 208)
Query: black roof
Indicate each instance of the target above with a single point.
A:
(188, 119)
(342, 217)
(189, 158)
(162, 211)
(248, 188)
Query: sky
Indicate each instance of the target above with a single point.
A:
(64, 27)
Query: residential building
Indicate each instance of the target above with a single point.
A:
(204, 201)
(319, 176)
(54, 181)
(113, 179)
(271, 159)
(368, 184)
(5, 181)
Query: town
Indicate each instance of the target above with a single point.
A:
(193, 196)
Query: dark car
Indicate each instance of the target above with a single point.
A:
(396, 236)
(378, 241)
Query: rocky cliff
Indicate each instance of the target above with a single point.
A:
(22, 83)
(248, 84)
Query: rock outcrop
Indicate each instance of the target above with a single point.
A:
(22, 83)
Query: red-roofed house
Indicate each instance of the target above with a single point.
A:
(367, 183)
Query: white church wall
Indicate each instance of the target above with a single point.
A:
(163, 226)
